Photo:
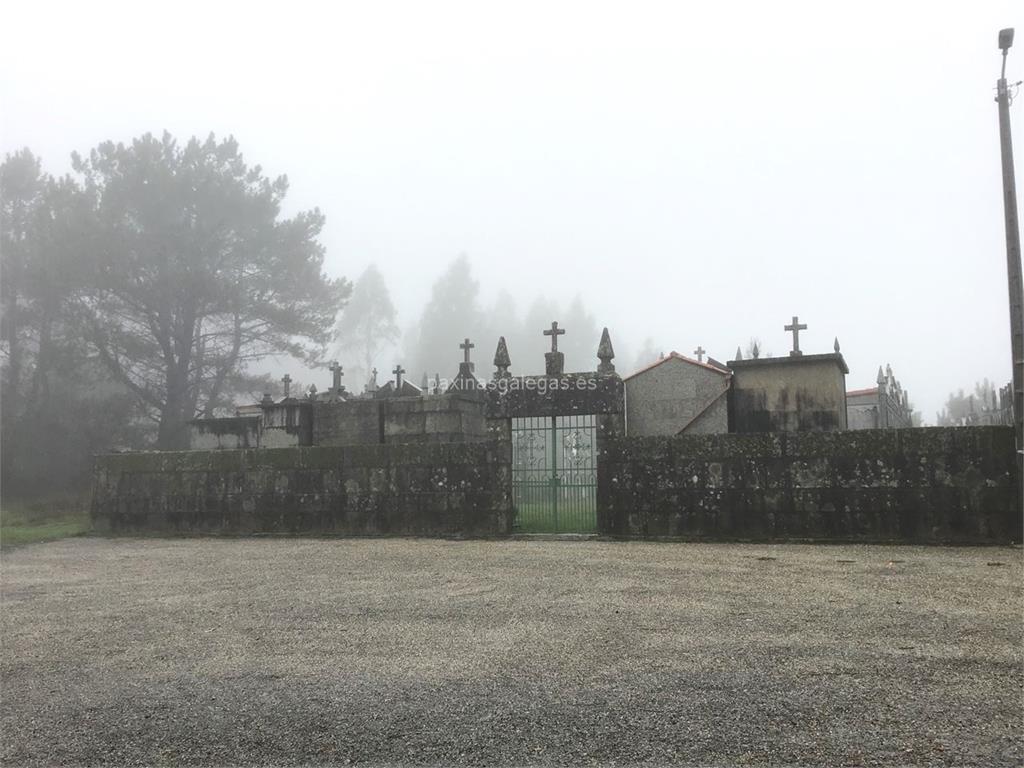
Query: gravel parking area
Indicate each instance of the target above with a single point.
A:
(288, 651)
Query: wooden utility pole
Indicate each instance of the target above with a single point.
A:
(1013, 270)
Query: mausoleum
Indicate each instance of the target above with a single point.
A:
(678, 395)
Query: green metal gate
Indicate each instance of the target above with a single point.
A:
(554, 474)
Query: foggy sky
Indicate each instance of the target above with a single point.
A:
(697, 172)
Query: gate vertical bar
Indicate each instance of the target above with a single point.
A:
(554, 469)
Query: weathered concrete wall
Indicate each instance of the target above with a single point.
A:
(677, 394)
(287, 423)
(788, 394)
(862, 409)
(231, 433)
(355, 422)
(915, 485)
(428, 490)
(448, 418)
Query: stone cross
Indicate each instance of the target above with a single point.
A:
(287, 381)
(554, 333)
(796, 327)
(399, 370)
(699, 352)
(465, 347)
(336, 369)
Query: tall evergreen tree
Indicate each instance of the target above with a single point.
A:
(195, 274)
(452, 314)
(59, 405)
(367, 324)
(581, 338)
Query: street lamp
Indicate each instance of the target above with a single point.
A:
(1013, 271)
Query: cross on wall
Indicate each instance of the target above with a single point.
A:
(554, 333)
(336, 369)
(796, 326)
(466, 346)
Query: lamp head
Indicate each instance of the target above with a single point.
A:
(1005, 39)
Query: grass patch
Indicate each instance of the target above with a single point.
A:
(27, 521)
(542, 518)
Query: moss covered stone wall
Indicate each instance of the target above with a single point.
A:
(461, 489)
(913, 485)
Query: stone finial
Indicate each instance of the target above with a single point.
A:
(501, 360)
(425, 384)
(881, 377)
(287, 381)
(795, 327)
(437, 383)
(311, 392)
(739, 354)
(371, 385)
(888, 372)
(267, 399)
(835, 345)
(605, 353)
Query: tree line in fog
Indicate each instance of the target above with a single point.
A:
(143, 289)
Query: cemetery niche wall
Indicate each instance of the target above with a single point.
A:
(884, 406)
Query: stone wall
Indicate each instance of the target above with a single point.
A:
(447, 418)
(355, 422)
(565, 395)
(934, 485)
(428, 490)
(677, 395)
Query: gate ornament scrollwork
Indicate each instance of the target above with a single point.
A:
(576, 448)
(530, 450)
(554, 473)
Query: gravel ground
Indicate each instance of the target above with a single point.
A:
(285, 651)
